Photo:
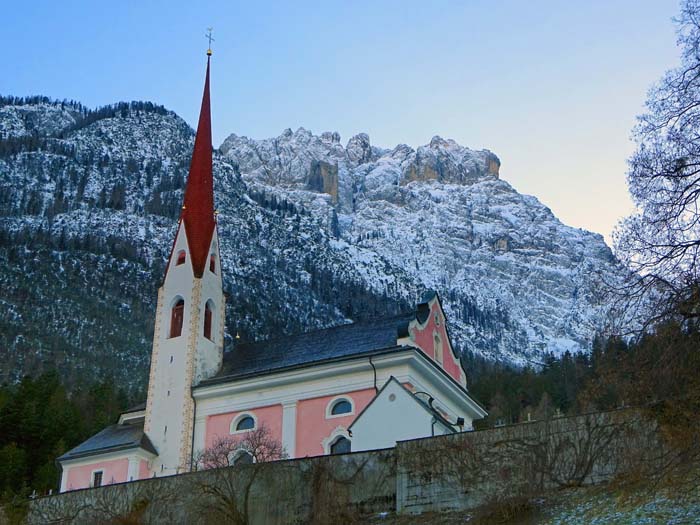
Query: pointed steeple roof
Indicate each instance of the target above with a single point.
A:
(198, 207)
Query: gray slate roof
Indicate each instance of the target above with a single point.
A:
(336, 343)
(112, 439)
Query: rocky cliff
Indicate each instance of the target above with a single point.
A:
(313, 233)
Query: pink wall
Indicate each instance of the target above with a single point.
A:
(425, 340)
(313, 426)
(219, 426)
(115, 471)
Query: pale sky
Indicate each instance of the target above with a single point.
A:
(551, 87)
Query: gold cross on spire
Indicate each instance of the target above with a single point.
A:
(209, 37)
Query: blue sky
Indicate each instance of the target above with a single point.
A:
(552, 87)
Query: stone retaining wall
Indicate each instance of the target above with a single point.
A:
(458, 471)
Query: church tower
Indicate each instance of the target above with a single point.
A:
(189, 328)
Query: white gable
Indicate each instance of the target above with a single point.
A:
(394, 415)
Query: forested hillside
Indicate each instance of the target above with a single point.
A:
(313, 234)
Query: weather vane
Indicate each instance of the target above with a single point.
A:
(209, 37)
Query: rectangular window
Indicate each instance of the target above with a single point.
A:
(97, 478)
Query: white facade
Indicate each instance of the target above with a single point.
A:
(180, 362)
(394, 415)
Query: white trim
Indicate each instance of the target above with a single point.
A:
(102, 480)
(255, 392)
(334, 401)
(110, 456)
(338, 432)
(289, 428)
(238, 418)
(132, 416)
(235, 454)
(261, 384)
(450, 388)
(132, 472)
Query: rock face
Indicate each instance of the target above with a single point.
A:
(515, 280)
(323, 178)
(313, 233)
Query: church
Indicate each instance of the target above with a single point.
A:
(353, 387)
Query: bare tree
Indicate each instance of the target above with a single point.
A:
(661, 241)
(227, 491)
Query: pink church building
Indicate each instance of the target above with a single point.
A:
(353, 387)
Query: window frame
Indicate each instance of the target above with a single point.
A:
(240, 417)
(335, 441)
(175, 304)
(328, 441)
(236, 454)
(331, 405)
(180, 257)
(99, 471)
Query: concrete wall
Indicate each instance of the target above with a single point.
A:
(329, 489)
(456, 471)
(462, 471)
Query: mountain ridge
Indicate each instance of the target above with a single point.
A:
(313, 234)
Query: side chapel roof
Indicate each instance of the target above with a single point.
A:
(112, 439)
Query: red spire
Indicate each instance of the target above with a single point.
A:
(198, 208)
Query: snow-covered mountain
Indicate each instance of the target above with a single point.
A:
(313, 233)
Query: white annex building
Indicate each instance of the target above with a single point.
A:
(353, 387)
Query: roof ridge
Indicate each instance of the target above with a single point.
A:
(360, 322)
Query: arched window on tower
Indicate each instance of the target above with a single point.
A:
(208, 314)
(212, 263)
(180, 258)
(177, 315)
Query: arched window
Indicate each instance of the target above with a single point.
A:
(243, 423)
(342, 406)
(339, 407)
(246, 423)
(341, 445)
(176, 317)
(208, 314)
(180, 258)
(212, 263)
(241, 457)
